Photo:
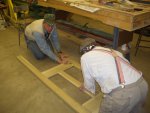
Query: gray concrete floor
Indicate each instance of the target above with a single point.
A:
(22, 92)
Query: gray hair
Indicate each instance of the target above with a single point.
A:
(87, 45)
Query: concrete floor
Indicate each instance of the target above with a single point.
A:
(22, 92)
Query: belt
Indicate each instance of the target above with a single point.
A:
(129, 85)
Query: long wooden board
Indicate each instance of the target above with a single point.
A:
(121, 19)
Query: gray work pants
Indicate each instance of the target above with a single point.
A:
(125, 100)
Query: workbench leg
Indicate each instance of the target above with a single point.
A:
(3, 17)
(127, 56)
(115, 42)
(116, 37)
(53, 10)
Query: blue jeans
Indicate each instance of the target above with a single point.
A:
(34, 49)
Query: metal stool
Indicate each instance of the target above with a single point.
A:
(142, 32)
(22, 9)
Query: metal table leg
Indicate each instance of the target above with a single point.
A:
(115, 42)
(116, 37)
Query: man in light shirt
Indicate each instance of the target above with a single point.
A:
(123, 86)
(42, 39)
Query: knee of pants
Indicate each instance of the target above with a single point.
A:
(39, 56)
(35, 50)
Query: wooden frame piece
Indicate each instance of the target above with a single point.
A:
(90, 106)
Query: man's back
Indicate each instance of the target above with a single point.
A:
(36, 26)
(102, 67)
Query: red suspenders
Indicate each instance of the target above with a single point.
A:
(119, 69)
(118, 61)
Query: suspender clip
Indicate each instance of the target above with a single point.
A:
(122, 85)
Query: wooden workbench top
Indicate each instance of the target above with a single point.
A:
(127, 20)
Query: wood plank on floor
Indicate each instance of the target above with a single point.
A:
(90, 106)
(71, 102)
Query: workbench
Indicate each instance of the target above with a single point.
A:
(108, 15)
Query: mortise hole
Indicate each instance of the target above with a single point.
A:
(138, 9)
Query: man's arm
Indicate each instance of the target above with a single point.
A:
(55, 40)
(89, 82)
(44, 47)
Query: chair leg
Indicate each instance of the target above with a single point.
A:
(19, 36)
(25, 39)
(138, 43)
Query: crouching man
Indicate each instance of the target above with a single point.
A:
(123, 86)
(42, 39)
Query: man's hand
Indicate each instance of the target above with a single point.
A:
(62, 55)
(82, 88)
(62, 61)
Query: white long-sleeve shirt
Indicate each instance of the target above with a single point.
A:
(101, 67)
